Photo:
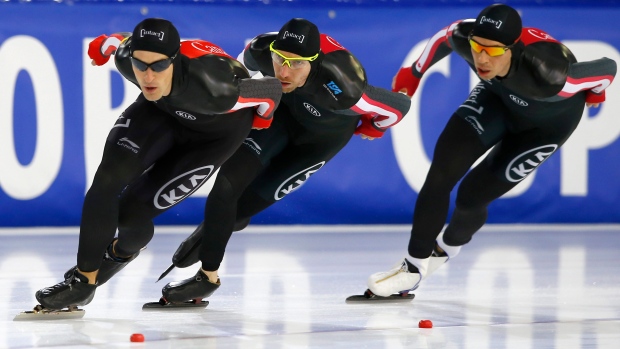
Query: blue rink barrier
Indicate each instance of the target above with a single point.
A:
(56, 109)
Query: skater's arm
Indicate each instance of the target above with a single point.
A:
(593, 77)
(380, 110)
(256, 56)
(225, 85)
(104, 46)
(264, 94)
(439, 46)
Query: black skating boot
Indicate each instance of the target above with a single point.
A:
(110, 265)
(74, 291)
(196, 287)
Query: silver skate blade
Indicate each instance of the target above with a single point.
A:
(369, 297)
(187, 304)
(65, 314)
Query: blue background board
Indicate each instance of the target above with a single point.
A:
(365, 184)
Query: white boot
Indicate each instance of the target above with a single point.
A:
(403, 277)
(399, 278)
(437, 258)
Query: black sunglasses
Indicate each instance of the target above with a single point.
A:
(158, 66)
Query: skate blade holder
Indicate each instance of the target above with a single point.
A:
(368, 296)
(40, 313)
(162, 304)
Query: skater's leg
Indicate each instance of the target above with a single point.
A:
(188, 253)
(249, 205)
(135, 227)
(100, 211)
(142, 134)
(489, 180)
(277, 162)
(305, 157)
(221, 207)
(460, 144)
(457, 149)
(478, 189)
(178, 174)
(215, 231)
(112, 263)
(140, 137)
(476, 126)
(208, 242)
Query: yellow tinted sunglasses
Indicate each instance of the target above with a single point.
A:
(492, 51)
(292, 62)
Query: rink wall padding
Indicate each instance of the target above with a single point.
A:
(56, 109)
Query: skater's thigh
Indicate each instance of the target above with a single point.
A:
(179, 173)
(144, 131)
(296, 163)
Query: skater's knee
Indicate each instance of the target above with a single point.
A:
(469, 198)
(440, 176)
(117, 170)
(224, 190)
(236, 175)
(467, 203)
(249, 204)
(132, 237)
(241, 224)
(128, 249)
(135, 222)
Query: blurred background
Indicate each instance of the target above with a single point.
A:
(56, 109)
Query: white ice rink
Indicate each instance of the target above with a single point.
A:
(285, 287)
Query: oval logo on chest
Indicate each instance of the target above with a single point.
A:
(518, 100)
(311, 109)
(185, 115)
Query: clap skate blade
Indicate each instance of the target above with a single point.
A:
(163, 304)
(41, 313)
(368, 296)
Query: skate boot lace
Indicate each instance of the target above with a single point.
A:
(67, 282)
(403, 269)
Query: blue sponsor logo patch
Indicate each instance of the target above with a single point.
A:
(335, 89)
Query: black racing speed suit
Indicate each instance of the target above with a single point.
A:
(160, 152)
(311, 125)
(525, 116)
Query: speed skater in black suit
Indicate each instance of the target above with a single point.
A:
(530, 98)
(197, 106)
(326, 100)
